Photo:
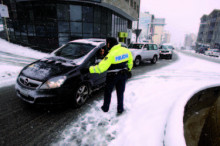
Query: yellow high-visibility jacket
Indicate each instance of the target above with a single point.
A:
(117, 58)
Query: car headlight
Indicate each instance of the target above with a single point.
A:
(53, 83)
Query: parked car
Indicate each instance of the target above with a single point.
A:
(212, 52)
(202, 49)
(144, 52)
(165, 52)
(216, 53)
(58, 78)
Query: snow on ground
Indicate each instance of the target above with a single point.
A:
(154, 104)
(199, 54)
(15, 53)
(20, 50)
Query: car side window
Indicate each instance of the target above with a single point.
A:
(146, 47)
(100, 54)
(151, 47)
(155, 47)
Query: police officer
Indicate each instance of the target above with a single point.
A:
(118, 64)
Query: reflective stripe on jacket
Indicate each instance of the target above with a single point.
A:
(118, 56)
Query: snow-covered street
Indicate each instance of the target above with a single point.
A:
(154, 104)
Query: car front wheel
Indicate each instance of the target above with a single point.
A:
(137, 61)
(81, 94)
(154, 60)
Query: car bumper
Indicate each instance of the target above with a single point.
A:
(35, 96)
(165, 55)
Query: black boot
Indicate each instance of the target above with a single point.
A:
(104, 109)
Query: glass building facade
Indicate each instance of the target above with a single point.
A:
(48, 25)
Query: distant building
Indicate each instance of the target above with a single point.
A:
(190, 40)
(166, 37)
(158, 30)
(146, 19)
(48, 24)
(209, 30)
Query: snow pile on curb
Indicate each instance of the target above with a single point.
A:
(20, 50)
(9, 72)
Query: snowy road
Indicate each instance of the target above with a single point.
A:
(154, 103)
(150, 108)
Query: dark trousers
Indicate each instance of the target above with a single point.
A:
(118, 81)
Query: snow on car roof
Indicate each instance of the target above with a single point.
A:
(88, 41)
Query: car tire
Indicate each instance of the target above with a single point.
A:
(81, 94)
(171, 56)
(154, 60)
(137, 61)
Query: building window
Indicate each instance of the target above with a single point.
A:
(87, 28)
(131, 3)
(87, 14)
(63, 26)
(63, 12)
(75, 13)
(135, 6)
(76, 27)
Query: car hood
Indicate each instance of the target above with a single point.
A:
(48, 67)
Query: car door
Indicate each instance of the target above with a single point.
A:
(145, 53)
(151, 51)
(95, 78)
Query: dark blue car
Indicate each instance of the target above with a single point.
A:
(58, 78)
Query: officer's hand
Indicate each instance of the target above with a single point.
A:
(129, 74)
(84, 70)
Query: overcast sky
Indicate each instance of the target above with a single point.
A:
(182, 16)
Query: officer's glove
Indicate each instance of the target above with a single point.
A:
(84, 70)
(129, 74)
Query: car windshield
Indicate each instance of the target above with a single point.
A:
(74, 50)
(167, 47)
(136, 46)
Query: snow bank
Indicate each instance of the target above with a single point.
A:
(156, 106)
(8, 74)
(20, 50)
(24, 55)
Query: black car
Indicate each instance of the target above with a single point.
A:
(202, 50)
(59, 78)
(166, 51)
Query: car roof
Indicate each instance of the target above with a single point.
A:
(88, 41)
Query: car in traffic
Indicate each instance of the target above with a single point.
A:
(166, 52)
(58, 78)
(144, 52)
(216, 53)
(168, 46)
(212, 52)
(201, 49)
